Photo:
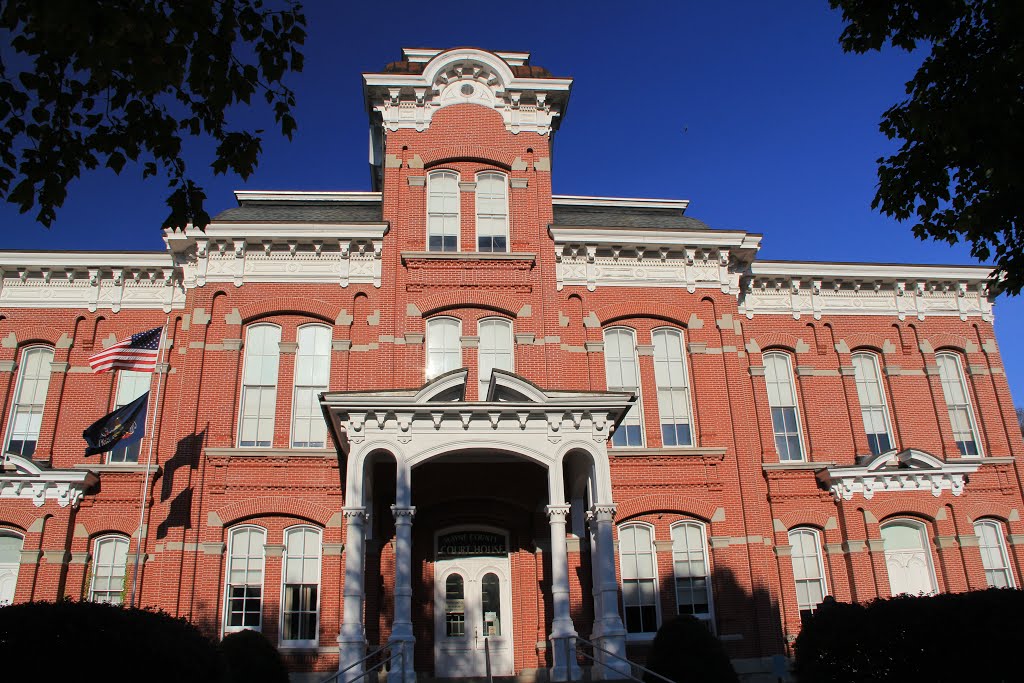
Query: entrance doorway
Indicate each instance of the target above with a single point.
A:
(472, 604)
(908, 559)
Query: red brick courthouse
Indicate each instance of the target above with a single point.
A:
(460, 410)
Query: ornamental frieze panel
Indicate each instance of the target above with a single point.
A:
(96, 289)
(593, 267)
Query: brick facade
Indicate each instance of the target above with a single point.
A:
(730, 480)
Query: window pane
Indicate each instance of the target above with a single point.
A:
(444, 348)
(639, 586)
(29, 401)
(110, 555)
(782, 399)
(244, 589)
(495, 350)
(954, 390)
(622, 374)
(300, 611)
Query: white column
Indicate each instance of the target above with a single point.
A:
(563, 633)
(402, 638)
(609, 633)
(352, 636)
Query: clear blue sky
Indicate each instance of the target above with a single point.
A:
(749, 109)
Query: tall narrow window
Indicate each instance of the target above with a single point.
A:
(10, 562)
(443, 211)
(454, 606)
(29, 400)
(908, 558)
(778, 375)
(639, 579)
(495, 351)
(491, 212)
(690, 564)
(993, 553)
(444, 347)
(243, 593)
(130, 385)
(109, 558)
(673, 389)
(259, 386)
(623, 375)
(958, 403)
(808, 570)
(872, 402)
(312, 376)
(301, 577)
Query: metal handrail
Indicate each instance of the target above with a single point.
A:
(333, 678)
(487, 659)
(632, 664)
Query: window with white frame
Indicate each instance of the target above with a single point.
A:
(495, 350)
(808, 570)
(300, 604)
(690, 565)
(623, 374)
(109, 560)
(130, 385)
(11, 544)
(778, 375)
(443, 211)
(872, 402)
(491, 212)
(444, 346)
(312, 376)
(639, 578)
(29, 401)
(243, 592)
(259, 386)
(958, 403)
(673, 388)
(993, 553)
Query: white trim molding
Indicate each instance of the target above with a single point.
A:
(29, 481)
(908, 470)
(619, 202)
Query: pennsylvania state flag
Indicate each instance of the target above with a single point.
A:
(124, 426)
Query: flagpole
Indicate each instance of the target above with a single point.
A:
(144, 496)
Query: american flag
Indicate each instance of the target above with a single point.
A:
(138, 352)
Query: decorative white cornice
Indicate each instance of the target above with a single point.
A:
(619, 202)
(909, 470)
(305, 196)
(467, 76)
(817, 289)
(29, 481)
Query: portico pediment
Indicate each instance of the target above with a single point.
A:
(22, 478)
(907, 470)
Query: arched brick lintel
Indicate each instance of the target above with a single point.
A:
(666, 502)
(313, 308)
(274, 506)
(612, 313)
(437, 303)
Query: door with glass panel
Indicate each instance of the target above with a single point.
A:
(472, 617)
(10, 562)
(908, 559)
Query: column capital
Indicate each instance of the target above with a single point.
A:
(353, 514)
(556, 513)
(604, 512)
(403, 514)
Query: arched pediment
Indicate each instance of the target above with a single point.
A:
(451, 386)
(910, 459)
(508, 386)
(21, 478)
(902, 471)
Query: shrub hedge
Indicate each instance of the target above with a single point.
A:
(685, 651)
(250, 658)
(976, 636)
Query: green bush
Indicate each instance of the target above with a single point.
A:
(90, 641)
(250, 658)
(958, 637)
(685, 651)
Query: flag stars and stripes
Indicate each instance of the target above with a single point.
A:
(139, 352)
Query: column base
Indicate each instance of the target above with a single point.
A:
(402, 668)
(612, 639)
(351, 652)
(563, 658)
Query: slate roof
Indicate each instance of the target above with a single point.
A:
(304, 212)
(625, 217)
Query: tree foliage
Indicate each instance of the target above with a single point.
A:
(958, 172)
(685, 651)
(250, 658)
(102, 83)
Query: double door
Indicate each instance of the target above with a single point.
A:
(472, 617)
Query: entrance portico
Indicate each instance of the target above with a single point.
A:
(563, 432)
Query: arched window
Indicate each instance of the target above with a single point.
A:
(908, 558)
(300, 590)
(491, 212)
(29, 401)
(109, 559)
(259, 386)
(243, 591)
(690, 565)
(10, 563)
(639, 578)
(444, 346)
(872, 402)
(443, 211)
(958, 403)
(673, 388)
(623, 374)
(495, 350)
(130, 385)
(778, 375)
(993, 553)
(808, 570)
(312, 376)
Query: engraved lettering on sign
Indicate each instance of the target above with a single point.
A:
(471, 543)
